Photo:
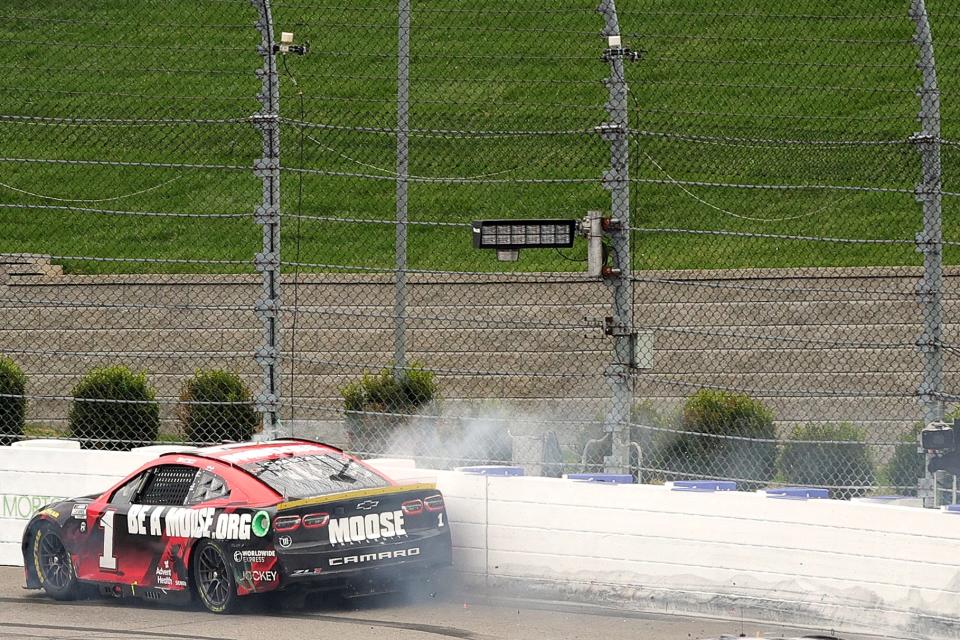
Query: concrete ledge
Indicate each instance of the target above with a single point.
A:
(852, 566)
(47, 444)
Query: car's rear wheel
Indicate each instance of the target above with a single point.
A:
(213, 578)
(53, 564)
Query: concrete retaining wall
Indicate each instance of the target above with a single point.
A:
(853, 566)
(850, 566)
(815, 344)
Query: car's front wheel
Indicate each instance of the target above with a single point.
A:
(53, 564)
(213, 578)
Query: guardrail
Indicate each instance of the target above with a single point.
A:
(856, 566)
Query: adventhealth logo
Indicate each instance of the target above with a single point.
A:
(370, 527)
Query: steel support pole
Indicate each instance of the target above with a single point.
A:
(617, 181)
(930, 240)
(400, 244)
(267, 215)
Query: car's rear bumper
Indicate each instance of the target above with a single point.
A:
(393, 561)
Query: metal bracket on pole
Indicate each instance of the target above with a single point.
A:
(592, 228)
(930, 240)
(625, 53)
(267, 215)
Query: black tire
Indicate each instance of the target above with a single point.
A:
(53, 564)
(213, 579)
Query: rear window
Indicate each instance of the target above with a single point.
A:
(314, 475)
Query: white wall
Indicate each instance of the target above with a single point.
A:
(853, 566)
(847, 565)
(33, 473)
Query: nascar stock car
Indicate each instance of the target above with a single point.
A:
(220, 523)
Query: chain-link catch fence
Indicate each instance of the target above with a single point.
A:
(225, 219)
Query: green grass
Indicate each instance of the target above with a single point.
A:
(709, 70)
(36, 430)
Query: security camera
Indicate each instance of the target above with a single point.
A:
(940, 439)
(286, 45)
(938, 436)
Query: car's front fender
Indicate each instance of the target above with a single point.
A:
(54, 513)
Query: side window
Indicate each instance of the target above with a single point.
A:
(207, 486)
(167, 485)
(124, 495)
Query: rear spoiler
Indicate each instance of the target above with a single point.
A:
(359, 493)
(309, 441)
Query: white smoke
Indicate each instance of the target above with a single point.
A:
(490, 433)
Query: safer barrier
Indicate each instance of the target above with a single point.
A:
(851, 566)
(33, 473)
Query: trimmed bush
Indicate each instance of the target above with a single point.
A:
(907, 465)
(828, 455)
(215, 423)
(13, 410)
(116, 425)
(378, 405)
(721, 435)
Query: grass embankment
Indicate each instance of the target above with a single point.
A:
(711, 70)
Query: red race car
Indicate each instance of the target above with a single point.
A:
(223, 522)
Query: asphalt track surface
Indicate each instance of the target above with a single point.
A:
(28, 615)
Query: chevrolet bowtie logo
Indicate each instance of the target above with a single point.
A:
(368, 504)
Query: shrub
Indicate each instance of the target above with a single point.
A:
(828, 455)
(12, 409)
(378, 405)
(213, 423)
(116, 425)
(703, 446)
(907, 465)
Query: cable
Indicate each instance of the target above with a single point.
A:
(120, 121)
(111, 212)
(682, 184)
(393, 174)
(481, 179)
(122, 163)
(778, 39)
(442, 133)
(131, 27)
(779, 236)
(731, 213)
(92, 200)
(779, 187)
(567, 258)
(446, 79)
(350, 220)
(765, 142)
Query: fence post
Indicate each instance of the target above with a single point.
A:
(267, 120)
(617, 181)
(400, 246)
(930, 240)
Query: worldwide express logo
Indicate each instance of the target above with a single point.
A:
(179, 522)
